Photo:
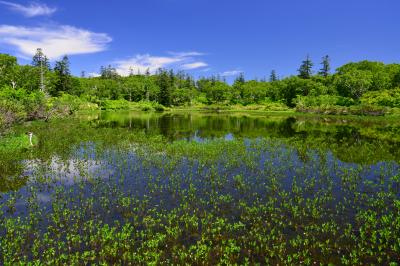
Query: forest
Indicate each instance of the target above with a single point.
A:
(42, 90)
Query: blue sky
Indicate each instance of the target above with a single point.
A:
(203, 37)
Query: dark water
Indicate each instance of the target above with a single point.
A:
(68, 151)
(194, 126)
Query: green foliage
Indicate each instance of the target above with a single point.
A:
(324, 71)
(253, 92)
(18, 105)
(273, 76)
(182, 96)
(8, 67)
(367, 83)
(114, 104)
(11, 112)
(390, 98)
(218, 92)
(148, 106)
(290, 88)
(14, 144)
(305, 70)
(323, 101)
(164, 82)
(62, 73)
(353, 83)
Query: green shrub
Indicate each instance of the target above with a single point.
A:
(11, 111)
(159, 107)
(146, 108)
(323, 101)
(390, 98)
(114, 104)
(367, 109)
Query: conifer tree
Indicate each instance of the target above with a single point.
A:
(305, 70)
(273, 77)
(163, 81)
(41, 62)
(63, 74)
(324, 71)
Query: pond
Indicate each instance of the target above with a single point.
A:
(201, 188)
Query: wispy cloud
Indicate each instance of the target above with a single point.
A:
(185, 54)
(194, 65)
(33, 9)
(230, 73)
(143, 62)
(55, 41)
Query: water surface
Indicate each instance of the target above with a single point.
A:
(121, 166)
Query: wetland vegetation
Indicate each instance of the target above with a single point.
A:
(137, 188)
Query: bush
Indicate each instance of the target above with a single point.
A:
(11, 112)
(389, 98)
(365, 109)
(159, 107)
(343, 110)
(322, 101)
(114, 104)
(276, 106)
(146, 108)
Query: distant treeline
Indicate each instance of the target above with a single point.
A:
(372, 84)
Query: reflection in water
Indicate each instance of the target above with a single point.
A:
(362, 142)
(187, 125)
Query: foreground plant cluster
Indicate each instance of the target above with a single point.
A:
(147, 201)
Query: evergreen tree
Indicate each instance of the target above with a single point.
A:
(238, 88)
(108, 72)
(163, 82)
(171, 78)
(324, 71)
(273, 77)
(41, 62)
(305, 70)
(240, 79)
(63, 75)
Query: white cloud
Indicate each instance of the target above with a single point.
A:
(143, 62)
(93, 75)
(230, 73)
(55, 41)
(32, 10)
(186, 54)
(194, 65)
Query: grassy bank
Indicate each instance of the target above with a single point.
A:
(327, 110)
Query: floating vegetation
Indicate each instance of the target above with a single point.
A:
(133, 194)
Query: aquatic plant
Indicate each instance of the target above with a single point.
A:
(100, 194)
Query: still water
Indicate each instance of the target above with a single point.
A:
(119, 167)
(357, 142)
